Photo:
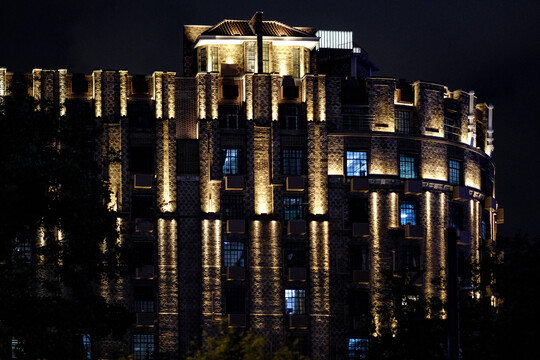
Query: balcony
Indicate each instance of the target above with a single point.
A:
(236, 320)
(143, 225)
(142, 181)
(144, 272)
(463, 238)
(297, 274)
(360, 229)
(413, 187)
(145, 319)
(234, 182)
(235, 273)
(490, 203)
(414, 232)
(359, 184)
(296, 227)
(295, 183)
(236, 226)
(461, 193)
(298, 321)
(500, 216)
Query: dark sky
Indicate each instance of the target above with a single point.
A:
(492, 47)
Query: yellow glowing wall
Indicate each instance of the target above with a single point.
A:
(97, 92)
(261, 168)
(123, 92)
(211, 271)
(3, 82)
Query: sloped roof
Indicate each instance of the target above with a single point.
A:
(242, 28)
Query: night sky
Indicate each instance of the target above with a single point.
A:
(491, 47)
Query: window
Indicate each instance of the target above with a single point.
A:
(407, 210)
(485, 229)
(203, 60)
(232, 206)
(22, 249)
(187, 156)
(358, 303)
(143, 252)
(233, 253)
(229, 117)
(455, 217)
(289, 117)
(214, 58)
(231, 161)
(356, 163)
(356, 118)
(234, 301)
(295, 302)
(143, 347)
(141, 206)
(306, 61)
(141, 159)
(407, 166)
(454, 172)
(293, 208)
(87, 346)
(250, 57)
(296, 62)
(140, 114)
(295, 255)
(451, 128)
(403, 121)
(143, 299)
(292, 161)
(266, 58)
(360, 257)
(358, 348)
(411, 258)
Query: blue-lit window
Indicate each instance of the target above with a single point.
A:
(293, 208)
(407, 213)
(233, 253)
(356, 163)
(407, 166)
(358, 348)
(143, 347)
(295, 302)
(22, 250)
(292, 161)
(484, 230)
(87, 346)
(231, 161)
(454, 172)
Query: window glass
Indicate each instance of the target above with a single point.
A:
(233, 253)
(407, 210)
(250, 57)
(454, 172)
(143, 347)
(292, 161)
(203, 64)
(358, 348)
(295, 255)
(143, 299)
(356, 163)
(295, 302)
(215, 59)
(231, 162)
(87, 346)
(289, 117)
(232, 206)
(411, 258)
(266, 58)
(407, 167)
(296, 62)
(293, 208)
(360, 257)
(403, 121)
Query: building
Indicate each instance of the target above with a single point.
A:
(260, 190)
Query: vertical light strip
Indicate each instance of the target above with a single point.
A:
(276, 86)
(3, 85)
(123, 92)
(158, 93)
(211, 271)
(201, 94)
(322, 97)
(214, 95)
(261, 155)
(171, 88)
(375, 281)
(258, 282)
(36, 84)
(431, 263)
(96, 75)
(248, 88)
(308, 83)
(393, 218)
(62, 90)
(442, 244)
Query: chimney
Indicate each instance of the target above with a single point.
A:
(256, 25)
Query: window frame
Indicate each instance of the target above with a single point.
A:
(357, 348)
(362, 162)
(295, 302)
(234, 250)
(408, 166)
(292, 160)
(410, 208)
(402, 124)
(293, 208)
(232, 161)
(146, 340)
(453, 172)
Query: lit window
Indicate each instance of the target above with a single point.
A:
(292, 161)
(403, 121)
(16, 348)
(292, 208)
(143, 347)
(87, 346)
(296, 62)
(250, 57)
(454, 172)
(485, 231)
(407, 300)
(231, 161)
(203, 60)
(295, 302)
(215, 58)
(407, 167)
(233, 253)
(266, 58)
(407, 210)
(358, 348)
(356, 163)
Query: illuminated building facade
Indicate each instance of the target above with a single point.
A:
(259, 190)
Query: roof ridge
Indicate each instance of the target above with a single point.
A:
(288, 26)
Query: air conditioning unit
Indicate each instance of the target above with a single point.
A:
(298, 321)
(296, 227)
(500, 216)
(461, 193)
(463, 238)
(236, 226)
(297, 274)
(295, 183)
(145, 319)
(143, 225)
(142, 181)
(490, 203)
(360, 229)
(413, 187)
(144, 272)
(359, 184)
(414, 232)
(234, 182)
(235, 273)
(361, 276)
(237, 320)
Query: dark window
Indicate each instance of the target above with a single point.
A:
(296, 62)
(232, 206)
(143, 253)
(234, 301)
(411, 257)
(187, 156)
(454, 172)
(143, 347)
(231, 161)
(293, 160)
(293, 208)
(455, 217)
(290, 91)
(203, 60)
(230, 91)
(79, 84)
(408, 167)
(140, 114)
(143, 299)
(229, 117)
(356, 163)
(141, 206)
(407, 213)
(139, 84)
(295, 255)
(403, 121)
(356, 118)
(289, 117)
(360, 257)
(295, 302)
(22, 249)
(358, 348)
(233, 253)
(358, 210)
(359, 303)
(451, 127)
(141, 159)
